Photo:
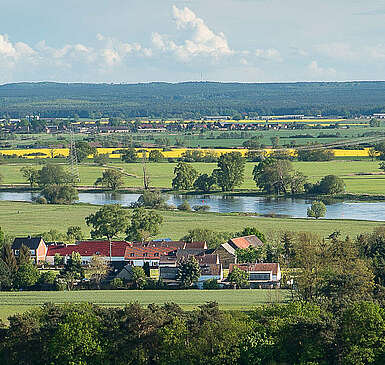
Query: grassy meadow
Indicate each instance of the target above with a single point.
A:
(19, 302)
(362, 176)
(19, 218)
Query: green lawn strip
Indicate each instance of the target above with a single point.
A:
(161, 173)
(19, 218)
(18, 302)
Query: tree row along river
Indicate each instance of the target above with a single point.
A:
(296, 208)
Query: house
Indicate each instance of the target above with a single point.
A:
(139, 255)
(36, 245)
(113, 253)
(226, 254)
(227, 251)
(209, 272)
(261, 275)
(245, 242)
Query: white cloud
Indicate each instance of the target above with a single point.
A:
(203, 40)
(337, 50)
(317, 71)
(270, 54)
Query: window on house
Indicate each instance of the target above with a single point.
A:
(145, 254)
(17, 252)
(32, 252)
(156, 254)
(259, 276)
(132, 254)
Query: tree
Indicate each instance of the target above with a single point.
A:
(26, 276)
(331, 184)
(249, 255)
(137, 277)
(60, 194)
(9, 258)
(275, 141)
(204, 183)
(24, 255)
(150, 199)
(185, 176)
(108, 221)
(188, 271)
(111, 179)
(98, 269)
(372, 247)
(213, 239)
(372, 153)
(252, 231)
(238, 278)
(230, 172)
(130, 155)
(31, 175)
(58, 260)
(382, 166)
(83, 150)
(317, 210)
(184, 206)
(52, 174)
(73, 270)
(5, 276)
(155, 156)
(74, 233)
(102, 159)
(277, 176)
(315, 155)
(144, 224)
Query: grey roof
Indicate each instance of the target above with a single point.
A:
(229, 248)
(31, 242)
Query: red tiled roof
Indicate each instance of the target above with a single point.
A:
(90, 248)
(260, 267)
(153, 253)
(246, 241)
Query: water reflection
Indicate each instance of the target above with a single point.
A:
(225, 204)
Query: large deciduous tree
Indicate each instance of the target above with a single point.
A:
(111, 179)
(108, 221)
(188, 272)
(185, 176)
(83, 150)
(144, 224)
(230, 172)
(31, 175)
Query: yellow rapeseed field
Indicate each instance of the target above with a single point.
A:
(174, 153)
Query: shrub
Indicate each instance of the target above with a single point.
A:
(185, 206)
(210, 284)
(117, 283)
(201, 208)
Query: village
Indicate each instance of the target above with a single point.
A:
(161, 260)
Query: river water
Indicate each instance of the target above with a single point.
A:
(373, 211)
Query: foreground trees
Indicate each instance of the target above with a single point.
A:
(295, 333)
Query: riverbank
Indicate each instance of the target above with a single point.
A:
(361, 177)
(21, 219)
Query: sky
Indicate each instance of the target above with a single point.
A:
(128, 41)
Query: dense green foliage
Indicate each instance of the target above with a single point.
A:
(191, 99)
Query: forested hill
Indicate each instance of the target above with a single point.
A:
(191, 99)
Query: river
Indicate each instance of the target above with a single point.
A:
(373, 211)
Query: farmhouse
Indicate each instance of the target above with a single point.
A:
(261, 275)
(36, 245)
(227, 251)
(114, 252)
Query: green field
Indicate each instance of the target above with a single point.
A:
(18, 302)
(161, 173)
(26, 218)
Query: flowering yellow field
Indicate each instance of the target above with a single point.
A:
(174, 153)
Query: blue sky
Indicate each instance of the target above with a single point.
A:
(176, 40)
